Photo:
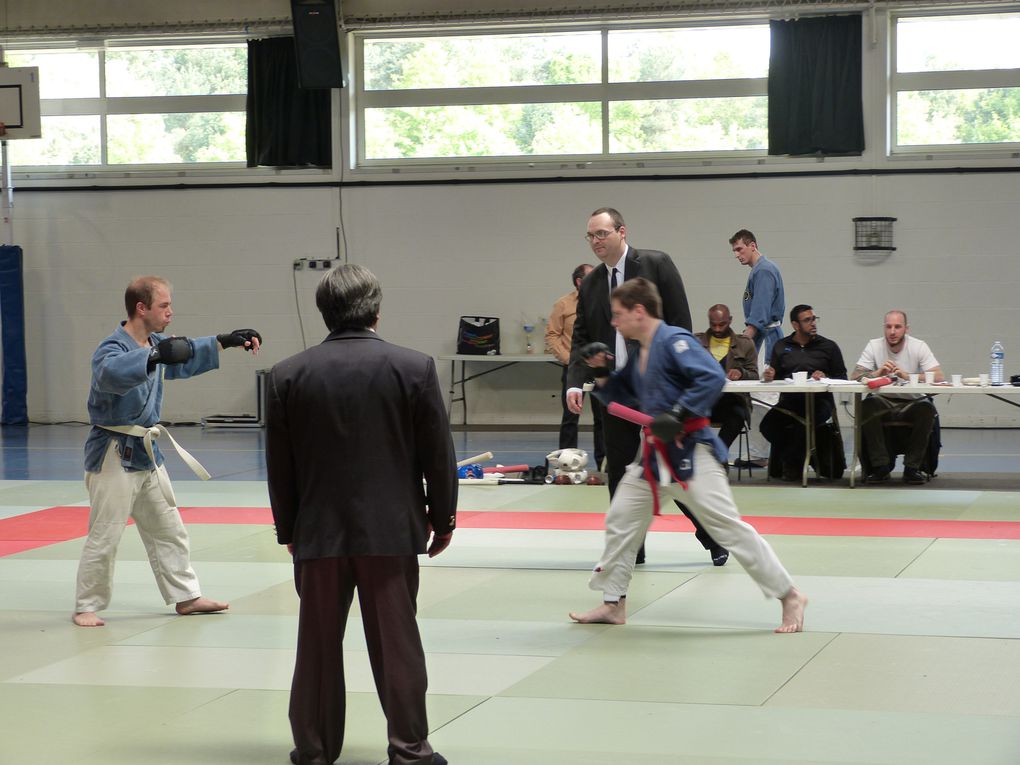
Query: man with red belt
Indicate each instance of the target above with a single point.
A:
(676, 381)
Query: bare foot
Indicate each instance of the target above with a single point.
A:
(607, 613)
(794, 602)
(200, 606)
(87, 619)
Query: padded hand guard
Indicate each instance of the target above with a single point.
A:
(592, 349)
(668, 425)
(170, 350)
(238, 337)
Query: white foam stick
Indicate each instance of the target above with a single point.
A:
(477, 458)
(489, 480)
(588, 387)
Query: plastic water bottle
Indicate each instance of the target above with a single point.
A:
(998, 355)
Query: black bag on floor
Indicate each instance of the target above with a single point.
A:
(829, 459)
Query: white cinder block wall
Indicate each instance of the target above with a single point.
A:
(507, 250)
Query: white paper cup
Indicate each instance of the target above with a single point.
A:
(800, 377)
(929, 378)
(983, 379)
(957, 380)
(914, 378)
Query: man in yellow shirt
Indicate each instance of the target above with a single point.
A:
(739, 360)
(558, 334)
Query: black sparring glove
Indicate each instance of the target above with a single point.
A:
(593, 349)
(170, 350)
(668, 425)
(238, 337)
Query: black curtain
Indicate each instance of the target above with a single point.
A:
(815, 103)
(287, 126)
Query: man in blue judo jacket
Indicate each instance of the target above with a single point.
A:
(676, 382)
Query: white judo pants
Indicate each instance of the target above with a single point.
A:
(115, 495)
(710, 500)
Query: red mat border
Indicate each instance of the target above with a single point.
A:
(59, 524)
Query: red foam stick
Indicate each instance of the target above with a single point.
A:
(506, 469)
(878, 382)
(628, 414)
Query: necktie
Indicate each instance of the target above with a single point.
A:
(613, 282)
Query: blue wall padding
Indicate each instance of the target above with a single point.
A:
(12, 334)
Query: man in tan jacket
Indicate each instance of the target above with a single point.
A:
(739, 360)
(558, 334)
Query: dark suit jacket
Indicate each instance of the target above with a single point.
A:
(593, 322)
(353, 426)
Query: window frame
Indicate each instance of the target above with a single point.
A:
(104, 106)
(604, 92)
(961, 79)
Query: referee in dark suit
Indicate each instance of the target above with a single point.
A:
(354, 425)
(607, 235)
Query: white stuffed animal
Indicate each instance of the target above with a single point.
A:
(569, 466)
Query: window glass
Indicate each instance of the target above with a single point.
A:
(65, 141)
(483, 61)
(964, 116)
(175, 138)
(70, 74)
(176, 71)
(689, 124)
(479, 131)
(955, 43)
(706, 53)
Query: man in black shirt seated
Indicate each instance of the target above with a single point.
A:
(803, 351)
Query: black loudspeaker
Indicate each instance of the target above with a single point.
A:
(318, 48)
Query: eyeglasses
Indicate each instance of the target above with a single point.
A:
(809, 320)
(600, 235)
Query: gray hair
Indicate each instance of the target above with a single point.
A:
(348, 297)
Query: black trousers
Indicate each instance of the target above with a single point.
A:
(387, 593)
(786, 434)
(730, 412)
(876, 410)
(623, 439)
(569, 424)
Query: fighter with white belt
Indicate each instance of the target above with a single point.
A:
(124, 471)
(674, 382)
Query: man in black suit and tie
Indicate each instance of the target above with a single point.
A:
(354, 425)
(607, 235)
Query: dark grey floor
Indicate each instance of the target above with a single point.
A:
(54, 452)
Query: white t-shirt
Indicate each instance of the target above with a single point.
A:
(914, 357)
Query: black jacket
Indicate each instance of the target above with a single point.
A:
(353, 426)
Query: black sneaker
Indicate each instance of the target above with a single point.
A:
(719, 556)
(879, 476)
(913, 476)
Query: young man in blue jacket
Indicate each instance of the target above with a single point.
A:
(675, 381)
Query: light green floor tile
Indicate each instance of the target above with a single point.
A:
(976, 559)
(508, 731)
(58, 724)
(234, 630)
(44, 493)
(557, 549)
(171, 667)
(236, 544)
(30, 640)
(221, 493)
(964, 676)
(674, 665)
(994, 506)
(251, 728)
(844, 502)
(542, 596)
(839, 556)
(848, 604)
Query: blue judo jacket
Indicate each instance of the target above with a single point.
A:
(680, 371)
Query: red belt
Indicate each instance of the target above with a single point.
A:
(651, 446)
